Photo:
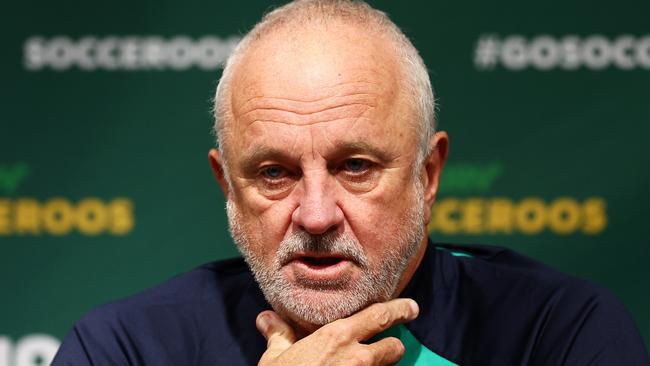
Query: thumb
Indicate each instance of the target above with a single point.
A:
(279, 335)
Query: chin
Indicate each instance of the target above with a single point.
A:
(311, 307)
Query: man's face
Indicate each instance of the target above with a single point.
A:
(324, 202)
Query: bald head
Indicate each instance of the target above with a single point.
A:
(324, 115)
(315, 45)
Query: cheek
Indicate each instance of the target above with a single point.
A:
(377, 220)
(373, 226)
(267, 225)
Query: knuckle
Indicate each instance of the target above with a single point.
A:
(382, 315)
(363, 357)
(327, 331)
(337, 331)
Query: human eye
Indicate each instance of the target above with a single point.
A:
(275, 181)
(273, 172)
(358, 174)
(356, 166)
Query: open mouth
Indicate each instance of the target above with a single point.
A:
(320, 261)
(320, 269)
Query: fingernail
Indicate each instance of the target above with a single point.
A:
(414, 307)
(264, 321)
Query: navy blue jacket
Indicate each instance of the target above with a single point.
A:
(479, 305)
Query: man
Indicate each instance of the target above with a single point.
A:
(329, 162)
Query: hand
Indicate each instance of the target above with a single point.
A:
(338, 343)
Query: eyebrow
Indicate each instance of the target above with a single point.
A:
(356, 147)
(260, 153)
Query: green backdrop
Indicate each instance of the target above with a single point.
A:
(105, 187)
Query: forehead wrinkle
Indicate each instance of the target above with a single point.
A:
(328, 139)
(296, 102)
(313, 151)
(308, 107)
(355, 88)
(357, 120)
(281, 116)
(351, 119)
(346, 104)
(295, 147)
(297, 93)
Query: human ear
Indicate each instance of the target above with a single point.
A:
(217, 164)
(432, 168)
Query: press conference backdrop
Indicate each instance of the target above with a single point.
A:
(105, 187)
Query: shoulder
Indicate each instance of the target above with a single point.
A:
(501, 279)
(538, 313)
(167, 322)
(210, 283)
(498, 269)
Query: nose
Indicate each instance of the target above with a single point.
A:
(317, 211)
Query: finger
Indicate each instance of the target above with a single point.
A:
(279, 335)
(381, 316)
(387, 351)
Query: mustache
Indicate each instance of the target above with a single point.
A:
(343, 245)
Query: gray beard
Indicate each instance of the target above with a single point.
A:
(341, 297)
